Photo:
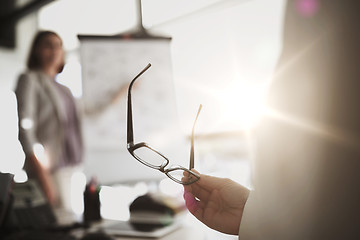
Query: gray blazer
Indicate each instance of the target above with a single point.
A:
(41, 115)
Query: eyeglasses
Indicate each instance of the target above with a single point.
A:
(151, 157)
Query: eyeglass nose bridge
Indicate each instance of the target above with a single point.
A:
(164, 164)
(162, 167)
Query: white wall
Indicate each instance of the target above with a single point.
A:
(12, 62)
(222, 50)
(223, 57)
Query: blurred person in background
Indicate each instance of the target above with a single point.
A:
(49, 120)
(307, 158)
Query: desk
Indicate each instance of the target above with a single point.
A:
(191, 229)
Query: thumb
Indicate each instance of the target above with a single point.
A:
(190, 202)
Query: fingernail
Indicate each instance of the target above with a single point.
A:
(190, 201)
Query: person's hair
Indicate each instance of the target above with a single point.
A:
(34, 61)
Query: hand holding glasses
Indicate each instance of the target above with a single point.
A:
(151, 157)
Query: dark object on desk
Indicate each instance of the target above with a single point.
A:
(92, 202)
(155, 209)
(151, 203)
(148, 212)
(97, 236)
(151, 216)
(30, 216)
(146, 227)
(126, 228)
(30, 209)
(6, 181)
(39, 235)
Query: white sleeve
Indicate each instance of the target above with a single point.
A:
(248, 227)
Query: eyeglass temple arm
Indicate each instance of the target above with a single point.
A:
(130, 132)
(192, 141)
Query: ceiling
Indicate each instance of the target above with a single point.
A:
(12, 11)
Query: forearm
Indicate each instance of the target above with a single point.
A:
(43, 175)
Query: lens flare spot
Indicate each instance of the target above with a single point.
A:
(41, 156)
(307, 8)
(27, 123)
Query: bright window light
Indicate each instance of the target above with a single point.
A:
(78, 182)
(118, 198)
(170, 188)
(13, 157)
(20, 176)
(40, 154)
(27, 123)
(71, 77)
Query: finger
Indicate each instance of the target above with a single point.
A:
(205, 184)
(190, 202)
(206, 180)
(195, 207)
(197, 191)
(188, 196)
(188, 188)
(200, 192)
(194, 171)
(209, 183)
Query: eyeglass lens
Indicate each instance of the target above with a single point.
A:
(154, 159)
(149, 156)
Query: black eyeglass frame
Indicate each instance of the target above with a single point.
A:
(131, 146)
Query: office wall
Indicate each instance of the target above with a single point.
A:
(219, 53)
(223, 51)
(223, 57)
(12, 62)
